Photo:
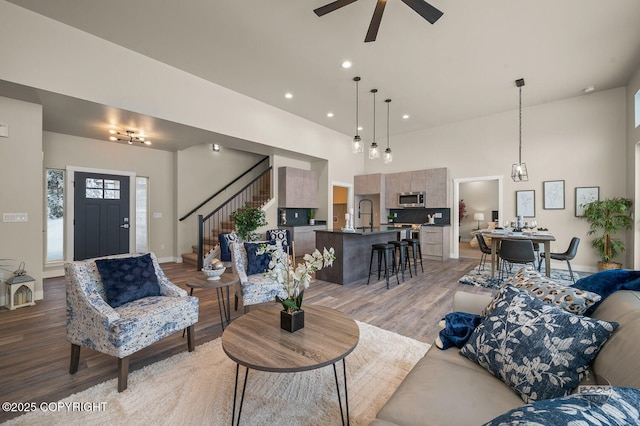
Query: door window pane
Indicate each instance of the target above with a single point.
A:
(108, 189)
(55, 215)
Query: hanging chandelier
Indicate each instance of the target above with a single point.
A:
(388, 157)
(356, 145)
(374, 152)
(129, 137)
(519, 170)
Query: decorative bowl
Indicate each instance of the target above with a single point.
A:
(213, 274)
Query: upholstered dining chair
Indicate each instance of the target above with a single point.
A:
(567, 256)
(120, 304)
(515, 251)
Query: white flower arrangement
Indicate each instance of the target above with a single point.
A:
(294, 280)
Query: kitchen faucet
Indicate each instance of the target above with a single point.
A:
(370, 212)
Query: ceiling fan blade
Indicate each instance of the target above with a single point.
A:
(332, 6)
(372, 33)
(424, 9)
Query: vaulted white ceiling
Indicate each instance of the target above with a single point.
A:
(461, 67)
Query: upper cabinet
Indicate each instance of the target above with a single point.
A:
(369, 184)
(297, 188)
(433, 182)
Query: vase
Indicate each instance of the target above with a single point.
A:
(291, 322)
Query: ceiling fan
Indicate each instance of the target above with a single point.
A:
(423, 8)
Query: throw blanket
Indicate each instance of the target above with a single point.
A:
(605, 283)
(458, 329)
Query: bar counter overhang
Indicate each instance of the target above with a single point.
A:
(353, 251)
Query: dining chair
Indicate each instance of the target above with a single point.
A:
(566, 256)
(515, 252)
(485, 249)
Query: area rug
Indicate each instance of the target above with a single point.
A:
(479, 278)
(197, 388)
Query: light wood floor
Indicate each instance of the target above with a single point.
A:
(34, 352)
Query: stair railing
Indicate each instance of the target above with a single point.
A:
(256, 193)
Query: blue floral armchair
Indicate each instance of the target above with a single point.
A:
(123, 330)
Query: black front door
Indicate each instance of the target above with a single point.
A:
(101, 213)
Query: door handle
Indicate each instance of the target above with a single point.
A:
(125, 226)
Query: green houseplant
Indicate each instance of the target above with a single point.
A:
(311, 214)
(606, 218)
(246, 220)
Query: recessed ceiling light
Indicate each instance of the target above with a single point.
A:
(288, 95)
(405, 117)
(588, 89)
(329, 114)
(346, 64)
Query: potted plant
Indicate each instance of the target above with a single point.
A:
(311, 214)
(246, 220)
(389, 218)
(606, 218)
(294, 280)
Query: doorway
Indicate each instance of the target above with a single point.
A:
(496, 191)
(340, 206)
(101, 215)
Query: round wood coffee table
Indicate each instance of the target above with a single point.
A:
(256, 341)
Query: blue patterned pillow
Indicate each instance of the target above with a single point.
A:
(257, 263)
(613, 406)
(128, 279)
(539, 350)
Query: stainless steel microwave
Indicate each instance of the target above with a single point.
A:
(411, 199)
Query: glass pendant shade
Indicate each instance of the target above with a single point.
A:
(374, 151)
(388, 157)
(519, 172)
(356, 145)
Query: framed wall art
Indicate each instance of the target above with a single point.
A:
(585, 195)
(553, 195)
(526, 203)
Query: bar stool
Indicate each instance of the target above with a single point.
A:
(414, 243)
(388, 250)
(403, 258)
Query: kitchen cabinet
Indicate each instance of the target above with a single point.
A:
(395, 183)
(435, 242)
(297, 188)
(369, 184)
(433, 182)
(437, 194)
(418, 181)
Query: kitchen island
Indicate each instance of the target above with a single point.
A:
(353, 251)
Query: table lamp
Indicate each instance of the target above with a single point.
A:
(478, 217)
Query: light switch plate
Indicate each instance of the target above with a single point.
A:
(15, 217)
(438, 216)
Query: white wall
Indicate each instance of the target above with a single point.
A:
(62, 151)
(633, 169)
(581, 140)
(21, 191)
(80, 65)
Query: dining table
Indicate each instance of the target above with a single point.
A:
(544, 238)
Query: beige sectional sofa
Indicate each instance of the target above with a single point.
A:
(446, 388)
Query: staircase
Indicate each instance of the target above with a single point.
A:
(256, 193)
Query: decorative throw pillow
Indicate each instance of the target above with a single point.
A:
(257, 263)
(128, 279)
(542, 288)
(610, 406)
(539, 350)
(606, 282)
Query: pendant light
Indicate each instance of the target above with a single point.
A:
(374, 152)
(356, 145)
(519, 170)
(388, 157)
